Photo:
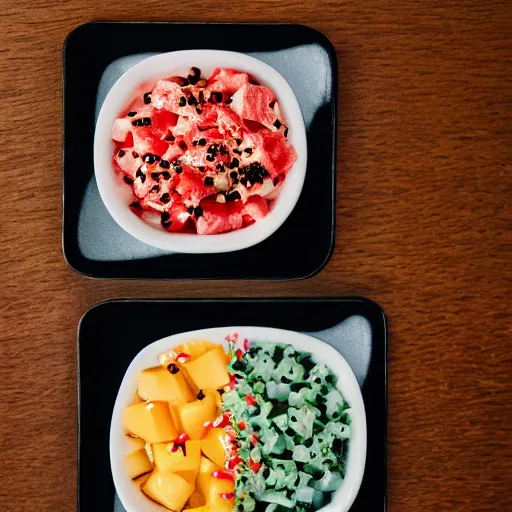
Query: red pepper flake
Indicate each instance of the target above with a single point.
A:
(182, 357)
(183, 438)
(250, 400)
(232, 336)
(222, 421)
(242, 425)
(239, 354)
(254, 439)
(207, 424)
(232, 382)
(228, 495)
(233, 462)
(223, 475)
(246, 344)
(255, 466)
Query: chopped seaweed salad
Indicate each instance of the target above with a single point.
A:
(292, 429)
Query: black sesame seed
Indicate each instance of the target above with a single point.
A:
(193, 79)
(178, 169)
(208, 181)
(248, 151)
(147, 121)
(272, 104)
(128, 180)
(149, 158)
(183, 101)
(167, 224)
(199, 111)
(121, 153)
(244, 181)
(143, 178)
(135, 154)
(131, 114)
(195, 71)
(202, 168)
(210, 158)
(201, 97)
(164, 164)
(166, 175)
(190, 210)
(138, 122)
(237, 151)
(275, 181)
(170, 138)
(233, 175)
(155, 175)
(277, 124)
(194, 143)
(219, 167)
(202, 142)
(192, 100)
(218, 97)
(182, 145)
(174, 369)
(139, 173)
(238, 141)
(200, 395)
(234, 163)
(235, 195)
(228, 101)
(165, 198)
(198, 211)
(155, 188)
(147, 98)
(223, 150)
(135, 205)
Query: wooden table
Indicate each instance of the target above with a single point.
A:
(424, 168)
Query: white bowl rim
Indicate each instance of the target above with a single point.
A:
(118, 97)
(323, 352)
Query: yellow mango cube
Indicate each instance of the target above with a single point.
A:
(209, 371)
(151, 421)
(185, 465)
(137, 463)
(213, 446)
(217, 489)
(168, 489)
(193, 415)
(159, 384)
(196, 502)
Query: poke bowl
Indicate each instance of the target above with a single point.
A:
(186, 474)
(200, 151)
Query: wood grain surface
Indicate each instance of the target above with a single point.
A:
(424, 229)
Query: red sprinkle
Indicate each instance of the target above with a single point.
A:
(241, 425)
(182, 357)
(183, 438)
(232, 336)
(255, 466)
(223, 475)
(250, 400)
(246, 344)
(239, 354)
(228, 495)
(222, 421)
(255, 439)
(232, 382)
(233, 462)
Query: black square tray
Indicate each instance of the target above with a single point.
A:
(112, 333)
(96, 54)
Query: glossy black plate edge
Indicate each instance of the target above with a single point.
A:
(376, 312)
(92, 269)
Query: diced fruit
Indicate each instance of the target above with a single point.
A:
(168, 489)
(162, 385)
(218, 490)
(194, 414)
(210, 370)
(138, 463)
(204, 478)
(141, 479)
(198, 509)
(256, 207)
(185, 465)
(219, 218)
(151, 421)
(227, 80)
(253, 102)
(197, 501)
(212, 446)
(278, 156)
(194, 348)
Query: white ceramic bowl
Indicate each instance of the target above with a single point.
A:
(129, 492)
(149, 71)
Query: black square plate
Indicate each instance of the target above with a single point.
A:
(97, 54)
(111, 334)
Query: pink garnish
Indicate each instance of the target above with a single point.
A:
(223, 475)
(182, 357)
(242, 425)
(246, 344)
(222, 421)
(228, 495)
(232, 382)
(233, 462)
(239, 354)
(250, 400)
(232, 337)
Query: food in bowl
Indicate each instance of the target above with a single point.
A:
(203, 155)
(261, 427)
